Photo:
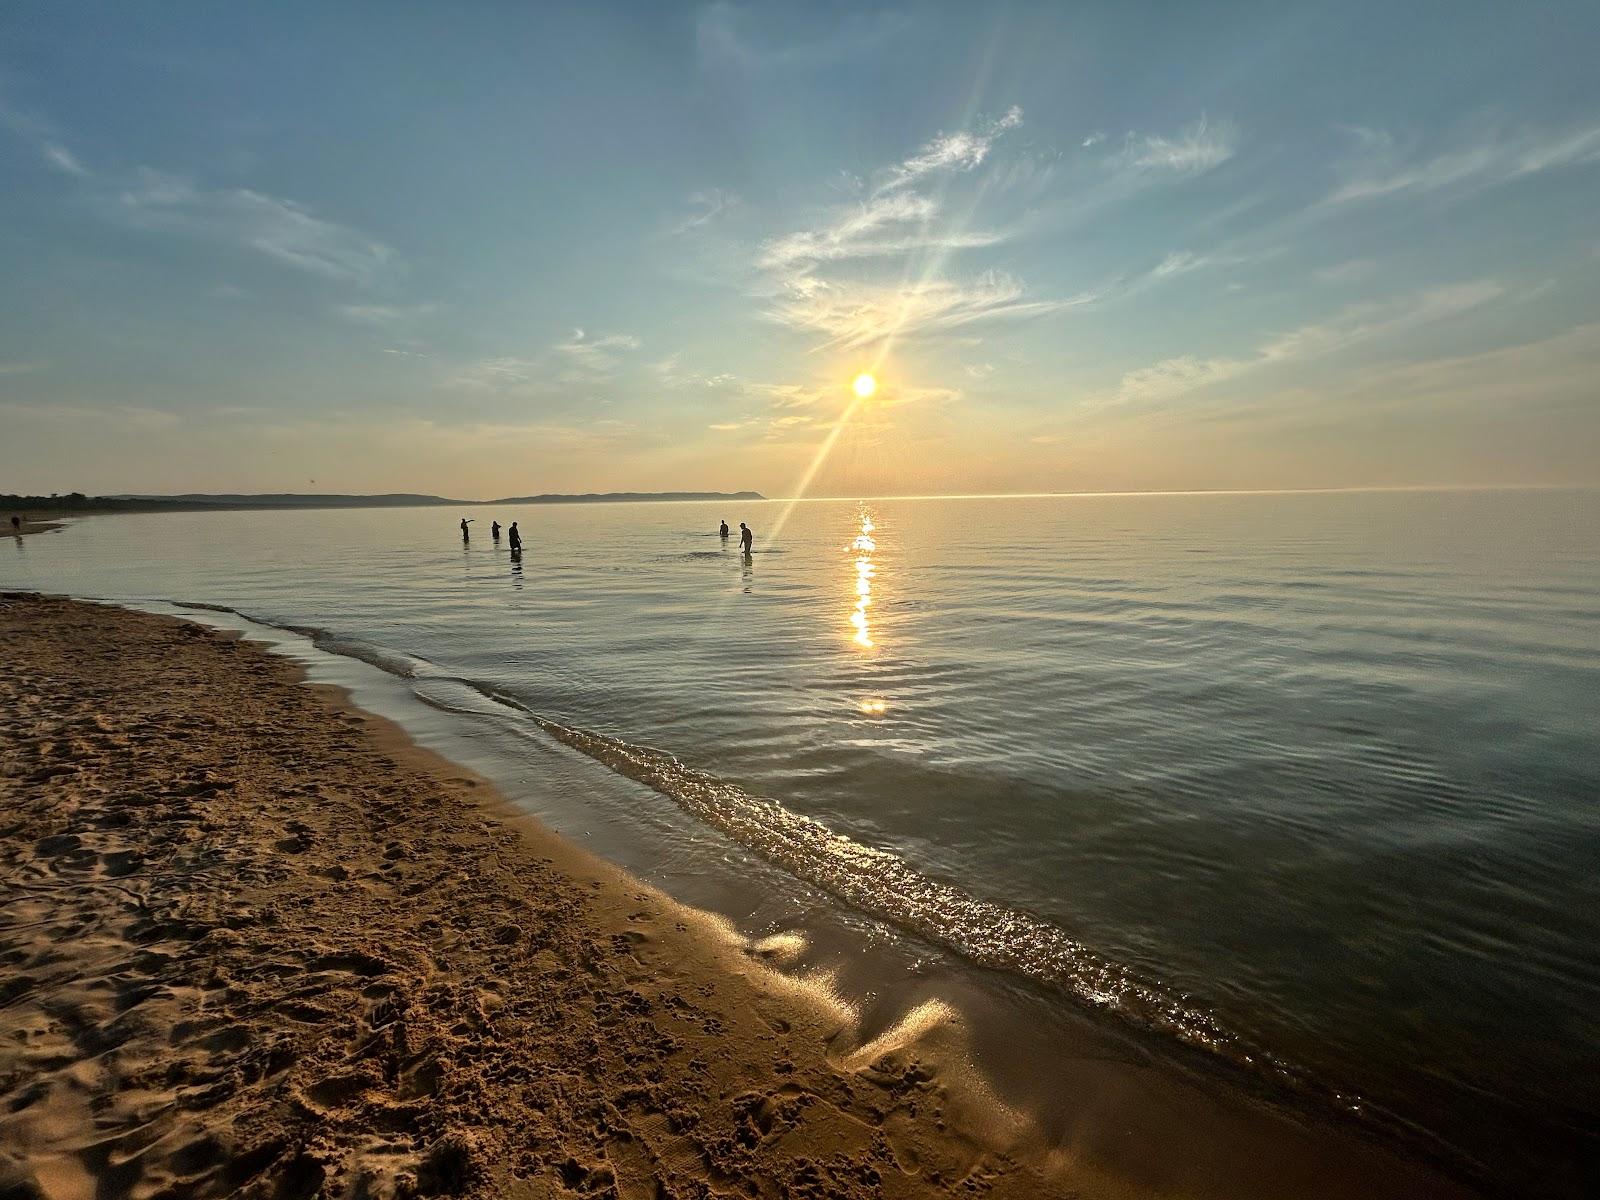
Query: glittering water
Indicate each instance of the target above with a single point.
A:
(1306, 781)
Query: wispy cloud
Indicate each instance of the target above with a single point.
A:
(672, 374)
(1545, 373)
(744, 36)
(577, 361)
(595, 356)
(884, 226)
(1486, 158)
(1366, 322)
(855, 315)
(1198, 148)
(160, 201)
(961, 151)
(63, 159)
(1181, 262)
(280, 229)
(1174, 377)
(42, 135)
(505, 373)
(1187, 262)
(709, 206)
(897, 240)
(25, 367)
(1531, 387)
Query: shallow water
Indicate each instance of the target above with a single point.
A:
(1304, 782)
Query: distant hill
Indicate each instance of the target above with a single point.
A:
(295, 500)
(77, 502)
(624, 497)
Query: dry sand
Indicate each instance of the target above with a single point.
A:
(253, 943)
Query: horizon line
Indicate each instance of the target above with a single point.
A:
(1394, 487)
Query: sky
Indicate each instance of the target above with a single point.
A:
(497, 249)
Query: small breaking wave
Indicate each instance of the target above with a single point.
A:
(392, 662)
(883, 885)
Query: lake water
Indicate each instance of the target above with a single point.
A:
(1305, 783)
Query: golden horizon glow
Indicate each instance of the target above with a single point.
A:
(865, 386)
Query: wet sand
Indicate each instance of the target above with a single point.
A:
(255, 942)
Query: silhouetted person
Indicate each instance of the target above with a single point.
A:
(746, 538)
(724, 531)
(16, 526)
(516, 539)
(466, 535)
(494, 530)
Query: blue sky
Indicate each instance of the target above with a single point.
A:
(488, 249)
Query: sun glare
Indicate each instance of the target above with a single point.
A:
(865, 385)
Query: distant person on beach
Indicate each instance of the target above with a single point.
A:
(746, 538)
(494, 530)
(516, 539)
(466, 534)
(16, 526)
(724, 530)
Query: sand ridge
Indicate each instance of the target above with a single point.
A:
(248, 947)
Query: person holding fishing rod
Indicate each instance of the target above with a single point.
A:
(466, 535)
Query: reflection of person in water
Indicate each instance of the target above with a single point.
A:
(746, 538)
(466, 534)
(494, 530)
(724, 531)
(516, 539)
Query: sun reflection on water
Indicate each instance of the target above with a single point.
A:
(862, 547)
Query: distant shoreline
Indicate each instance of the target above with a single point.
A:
(80, 505)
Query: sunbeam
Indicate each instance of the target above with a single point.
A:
(817, 459)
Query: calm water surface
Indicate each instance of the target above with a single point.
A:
(1307, 782)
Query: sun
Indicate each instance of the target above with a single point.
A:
(865, 385)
